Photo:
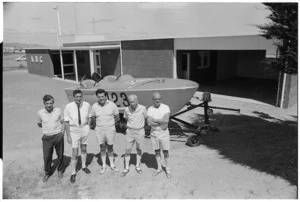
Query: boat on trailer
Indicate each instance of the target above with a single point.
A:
(175, 92)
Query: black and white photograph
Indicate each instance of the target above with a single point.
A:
(150, 100)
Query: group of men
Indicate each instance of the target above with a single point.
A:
(77, 118)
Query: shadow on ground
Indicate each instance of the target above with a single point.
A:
(263, 143)
(263, 90)
(148, 159)
(66, 163)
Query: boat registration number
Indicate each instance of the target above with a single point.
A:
(119, 99)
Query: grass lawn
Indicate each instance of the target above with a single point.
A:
(9, 62)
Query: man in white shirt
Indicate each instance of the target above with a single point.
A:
(158, 118)
(105, 113)
(77, 120)
(50, 119)
(135, 114)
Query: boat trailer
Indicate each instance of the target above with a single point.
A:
(194, 139)
(207, 128)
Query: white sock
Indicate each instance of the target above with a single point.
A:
(73, 163)
(111, 161)
(103, 158)
(138, 160)
(83, 160)
(127, 160)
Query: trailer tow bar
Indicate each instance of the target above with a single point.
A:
(196, 139)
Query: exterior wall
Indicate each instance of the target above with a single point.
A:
(250, 65)
(226, 64)
(39, 62)
(110, 62)
(148, 58)
(247, 42)
(83, 63)
(245, 62)
(290, 91)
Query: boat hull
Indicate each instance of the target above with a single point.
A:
(174, 98)
(175, 92)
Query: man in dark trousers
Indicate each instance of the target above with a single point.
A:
(50, 119)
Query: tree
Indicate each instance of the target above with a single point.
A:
(283, 29)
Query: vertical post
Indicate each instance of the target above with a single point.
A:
(279, 90)
(75, 65)
(188, 66)
(206, 97)
(62, 65)
(174, 62)
(206, 118)
(92, 66)
(58, 19)
(283, 90)
(58, 22)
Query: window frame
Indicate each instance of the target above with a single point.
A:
(202, 55)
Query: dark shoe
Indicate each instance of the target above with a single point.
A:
(72, 178)
(45, 178)
(86, 170)
(60, 174)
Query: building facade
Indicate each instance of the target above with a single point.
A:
(201, 59)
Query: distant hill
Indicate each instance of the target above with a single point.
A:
(17, 45)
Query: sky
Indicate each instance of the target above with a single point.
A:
(37, 22)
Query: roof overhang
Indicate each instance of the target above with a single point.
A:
(71, 48)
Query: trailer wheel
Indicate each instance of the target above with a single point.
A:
(193, 140)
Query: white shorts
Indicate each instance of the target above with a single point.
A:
(132, 136)
(105, 135)
(160, 139)
(79, 135)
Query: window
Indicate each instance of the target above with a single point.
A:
(80, 56)
(203, 58)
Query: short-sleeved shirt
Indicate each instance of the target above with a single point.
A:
(105, 115)
(158, 113)
(51, 121)
(136, 118)
(71, 113)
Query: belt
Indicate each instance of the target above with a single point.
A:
(79, 126)
(56, 134)
(135, 128)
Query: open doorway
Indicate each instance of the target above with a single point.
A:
(185, 66)
(97, 62)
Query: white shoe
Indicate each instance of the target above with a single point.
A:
(102, 171)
